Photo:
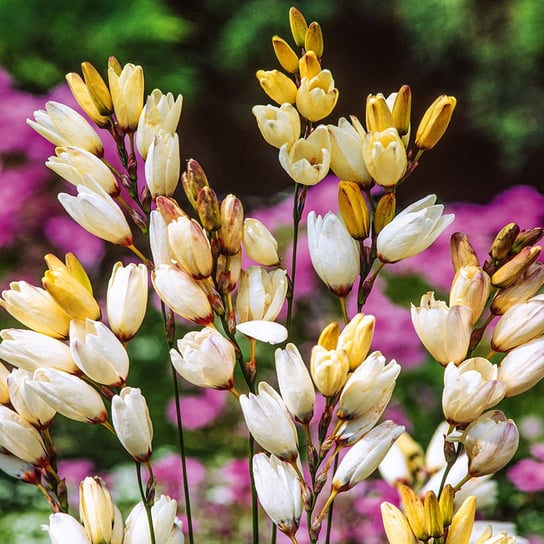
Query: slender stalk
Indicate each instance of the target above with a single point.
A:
(274, 534)
(329, 515)
(254, 501)
(147, 506)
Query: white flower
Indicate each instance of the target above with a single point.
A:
(413, 230)
(278, 125)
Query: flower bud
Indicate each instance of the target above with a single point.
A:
(397, 528)
(206, 359)
(523, 288)
(279, 491)
(462, 252)
(96, 510)
(127, 94)
(470, 287)
(469, 389)
(309, 65)
(278, 86)
(356, 338)
(268, 420)
(162, 166)
(286, 56)
(193, 180)
(385, 156)
(401, 110)
(334, 253)
(35, 308)
(329, 369)
(329, 336)
(232, 224)
(98, 90)
(385, 211)
(435, 121)
(354, 209)
(509, 272)
(490, 442)
(433, 515)
(208, 209)
(259, 243)
(378, 114)
(126, 299)
(295, 383)
(64, 529)
(520, 324)
(317, 96)
(132, 424)
(313, 40)
(523, 367)
(81, 92)
(503, 242)
(446, 504)
(415, 512)
(527, 238)
(298, 26)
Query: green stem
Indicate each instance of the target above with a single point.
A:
(329, 514)
(254, 501)
(145, 502)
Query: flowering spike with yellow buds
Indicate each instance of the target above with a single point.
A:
(354, 209)
(98, 90)
(462, 252)
(299, 26)
(313, 40)
(385, 211)
(309, 65)
(402, 109)
(503, 242)
(435, 121)
(329, 336)
(378, 114)
(507, 274)
(277, 86)
(286, 56)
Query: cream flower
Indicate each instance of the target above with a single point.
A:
(278, 126)
(317, 97)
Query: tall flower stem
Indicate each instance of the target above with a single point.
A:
(145, 502)
(254, 501)
(298, 207)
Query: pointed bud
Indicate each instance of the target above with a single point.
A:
(435, 121)
(313, 40)
(527, 238)
(329, 369)
(277, 86)
(207, 206)
(385, 211)
(508, 273)
(328, 338)
(98, 90)
(433, 515)
(259, 243)
(463, 522)
(402, 109)
(415, 512)
(193, 179)
(462, 252)
(286, 56)
(470, 287)
(378, 114)
(232, 221)
(446, 504)
(298, 26)
(397, 528)
(308, 65)
(354, 209)
(169, 209)
(503, 242)
(356, 338)
(81, 93)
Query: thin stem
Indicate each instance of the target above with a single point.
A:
(344, 309)
(147, 506)
(329, 515)
(254, 501)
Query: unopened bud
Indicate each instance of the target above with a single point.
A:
(354, 210)
(114, 64)
(98, 90)
(385, 211)
(286, 56)
(278, 86)
(446, 504)
(232, 221)
(527, 238)
(169, 209)
(508, 273)
(313, 40)
(503, 242)
(415, 512)
(462, 252)
(433, 515)
(378, 114)
(435, 121)
(470, 287)
(329, 336)
(298, 26)
(81, 93)
(402, 108)
(192, 180)
(308, 65)
(207, 207)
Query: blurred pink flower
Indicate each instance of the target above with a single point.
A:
(198, 410)
(168, 474)
(528, 474)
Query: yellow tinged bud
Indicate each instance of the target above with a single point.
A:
(115, 65)
(397, 528)
(435, 121)
(98, 90)
(278, 86)
(433, 515)
(462, 252)
(378, 114)
(76, 269)
(329, 369)
(446, 504)
(503, 242)
(313, 40)
(81, 93)
(354, 209)
(415, 512)
(402, 109)
(285, 55)
(462, 523)
(527, 238)
(508, 273)
(308, 65)
(329, 336)
(299, 26)
(385, 211)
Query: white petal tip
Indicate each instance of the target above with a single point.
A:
(265, 331)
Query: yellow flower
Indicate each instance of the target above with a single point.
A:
(317, 97)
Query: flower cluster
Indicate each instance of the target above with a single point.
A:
(194, 252)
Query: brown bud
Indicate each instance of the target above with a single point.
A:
(207, 206)
(385, 211)
(462, 252)
(503, 242)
